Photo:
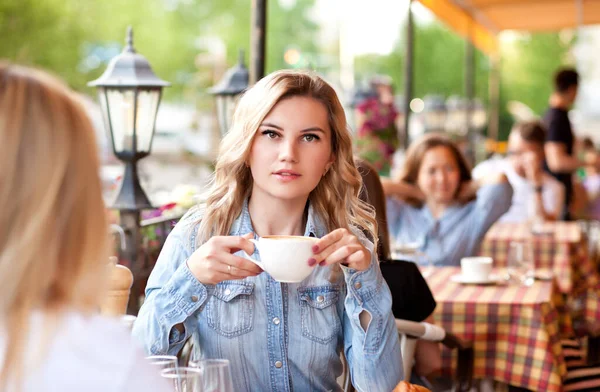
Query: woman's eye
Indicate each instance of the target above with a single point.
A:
(310, 137)
(270, 134)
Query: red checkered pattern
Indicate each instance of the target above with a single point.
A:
(514, 329)
(564, 252)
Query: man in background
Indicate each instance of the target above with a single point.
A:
(537, 196)
(560, 140)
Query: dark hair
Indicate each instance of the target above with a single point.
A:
(414, 158)
(531, 131)
(373, 194)
(565, 79)
(588, 144)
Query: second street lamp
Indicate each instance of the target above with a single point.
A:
(226, 92)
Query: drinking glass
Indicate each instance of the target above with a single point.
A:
(184, 379)
(216, 375)
(521, 263)
(162, 362)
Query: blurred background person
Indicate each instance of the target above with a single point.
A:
(376, 132)
(536, 194)
(437, 205)
(560, 140)
(53, 248)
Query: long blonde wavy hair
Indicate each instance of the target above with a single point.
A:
(335, 199)
(53, 228)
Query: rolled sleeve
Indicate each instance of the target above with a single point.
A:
(173, 295)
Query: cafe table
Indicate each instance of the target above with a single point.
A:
(559, 247)
(514, 329)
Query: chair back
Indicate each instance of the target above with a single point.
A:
(117, 297)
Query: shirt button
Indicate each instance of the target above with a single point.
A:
(278, 364)
(276, 321)
(357, 285)
(320, 299)
(194, 298)
(227, 292)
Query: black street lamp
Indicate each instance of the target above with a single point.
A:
(227, 91)
(129, 94)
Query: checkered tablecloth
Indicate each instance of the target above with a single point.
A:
(514, 329)
(564, 251)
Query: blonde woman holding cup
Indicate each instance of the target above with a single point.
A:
(284, 168)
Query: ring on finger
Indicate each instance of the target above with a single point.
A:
(229, 269)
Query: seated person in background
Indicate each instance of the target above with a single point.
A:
(411, 298)
(537, 195)
(54, 249)
(436, 204)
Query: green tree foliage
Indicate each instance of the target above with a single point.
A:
(60, 35)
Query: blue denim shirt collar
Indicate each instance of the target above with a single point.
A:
(243, 224)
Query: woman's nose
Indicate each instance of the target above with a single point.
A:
(288, 151)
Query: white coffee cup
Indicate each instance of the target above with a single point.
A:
(285, 258)
(476, 269)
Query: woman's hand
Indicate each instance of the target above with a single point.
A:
(341, 246)
(214, 261)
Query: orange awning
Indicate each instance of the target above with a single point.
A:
(482, 20)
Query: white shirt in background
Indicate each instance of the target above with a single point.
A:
(522, 207)
(91, 354)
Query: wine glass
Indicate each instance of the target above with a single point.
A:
(216, 375)
(184, 379)
(162, 362)
(521, 262)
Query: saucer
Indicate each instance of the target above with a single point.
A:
(492, 279)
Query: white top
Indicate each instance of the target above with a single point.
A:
(92, 354)
(553, 192)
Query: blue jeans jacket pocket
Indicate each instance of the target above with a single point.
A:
(230, 308)
(320, 319)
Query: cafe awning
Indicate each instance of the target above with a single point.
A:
(482, 20)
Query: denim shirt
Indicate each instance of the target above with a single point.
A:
(277, 336)
(457, 233)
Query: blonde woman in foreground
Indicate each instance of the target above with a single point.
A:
(53, 242)
(284, 168)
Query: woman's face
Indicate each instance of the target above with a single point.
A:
(439, 175)
(291, 150)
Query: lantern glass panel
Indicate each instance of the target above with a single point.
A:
(104, 110)
(147, 107)
(121, 112)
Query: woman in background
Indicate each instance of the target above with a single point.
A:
(436, 205)
(53, 248)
